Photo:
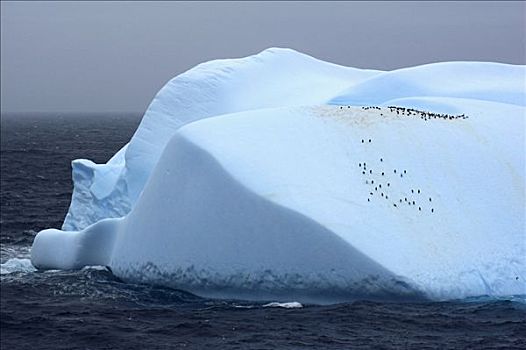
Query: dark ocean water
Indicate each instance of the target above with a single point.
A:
(91, 309)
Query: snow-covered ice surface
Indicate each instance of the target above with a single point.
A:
(273, 78)
(474, 80)
(253, 179)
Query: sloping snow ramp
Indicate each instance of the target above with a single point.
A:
(324, 204)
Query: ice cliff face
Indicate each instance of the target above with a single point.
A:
(282, 196)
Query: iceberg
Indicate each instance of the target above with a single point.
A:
(282, 177)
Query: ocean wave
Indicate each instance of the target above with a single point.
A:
(290, 305)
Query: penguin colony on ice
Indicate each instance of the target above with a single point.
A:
(414, 112)
(382, 188)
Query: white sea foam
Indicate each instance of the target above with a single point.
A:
(14, 265)
(289, 305)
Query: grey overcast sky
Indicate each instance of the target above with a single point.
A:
(114, 56)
